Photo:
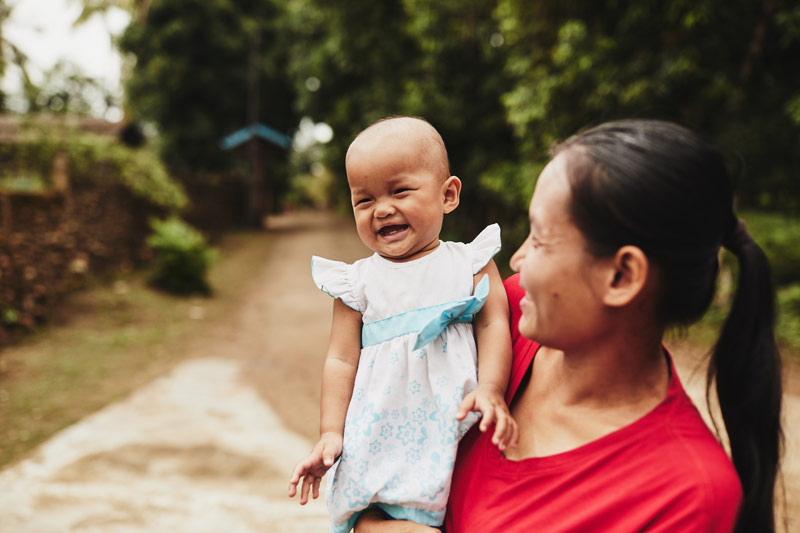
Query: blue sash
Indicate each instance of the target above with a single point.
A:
(428, 322)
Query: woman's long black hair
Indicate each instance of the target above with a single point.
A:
(658, 186)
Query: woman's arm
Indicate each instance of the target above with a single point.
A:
(494, 363)
(338, 376)
(375, 521)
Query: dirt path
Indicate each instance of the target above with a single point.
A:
(209, 446)
(202, 449)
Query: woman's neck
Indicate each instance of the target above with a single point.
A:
(615, 372)
(577, 396)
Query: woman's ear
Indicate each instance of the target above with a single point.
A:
(626, 277)
(452, 193)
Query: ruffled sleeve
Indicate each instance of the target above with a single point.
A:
(335, 279)
(484, 246)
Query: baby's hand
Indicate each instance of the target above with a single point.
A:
(488, 399)
(312, 468)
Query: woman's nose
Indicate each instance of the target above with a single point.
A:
(517, 258)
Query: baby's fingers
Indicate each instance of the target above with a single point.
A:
(467, 405)
(297, 473)
(315, 488)
(506, 432)
(500, 437)
(307, 481)
(489, 417)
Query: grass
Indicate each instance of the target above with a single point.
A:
(107, 340)
(706, 331)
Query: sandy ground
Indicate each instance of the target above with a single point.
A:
(194, 451)
(209, 447)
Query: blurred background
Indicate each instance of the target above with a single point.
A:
(136, 134)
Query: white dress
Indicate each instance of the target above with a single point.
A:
(418, 360)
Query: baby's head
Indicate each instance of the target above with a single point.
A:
(400, 186)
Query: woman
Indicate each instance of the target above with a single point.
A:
(626, 224)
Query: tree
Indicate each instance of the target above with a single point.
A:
(136, 8)
(368, 60)
(191, 75)
(727, 69)
(66, 90)
(11, 53)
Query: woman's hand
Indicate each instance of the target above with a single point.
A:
(489, 401)
(375, 521)
(313, 467)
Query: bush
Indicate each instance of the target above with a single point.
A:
(140, 170)
(788, 327)
(27, 165)
(779, 236)
(182, 257)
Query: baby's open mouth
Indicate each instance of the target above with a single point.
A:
(386, 231)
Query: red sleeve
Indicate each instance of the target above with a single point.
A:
(515, 294)
(523, 349)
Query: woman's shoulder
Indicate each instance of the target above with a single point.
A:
(687, 457)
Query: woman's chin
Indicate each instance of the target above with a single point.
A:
(527, 329)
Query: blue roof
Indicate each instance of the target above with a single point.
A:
(259, 130)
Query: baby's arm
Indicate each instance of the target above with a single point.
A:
(338, 376)
(494, 363)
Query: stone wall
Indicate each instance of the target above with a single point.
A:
(50, 241)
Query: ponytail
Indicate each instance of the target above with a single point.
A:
(746, 367)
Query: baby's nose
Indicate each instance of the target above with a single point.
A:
(384, 209)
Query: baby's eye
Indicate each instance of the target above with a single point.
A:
(401, 190)
(361, 201)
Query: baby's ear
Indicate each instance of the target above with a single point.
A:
(451, 190)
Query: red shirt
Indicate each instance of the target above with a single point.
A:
(665, 472)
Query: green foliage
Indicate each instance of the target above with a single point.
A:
(504, 79)
(27, 164)
(182, 257)
(779, 237)
(433, 59)
(9, 315)
(65, 90)
(139, 169)
(788, 327)
(191, 75)
(719, 67)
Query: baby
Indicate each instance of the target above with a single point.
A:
(403, 379)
